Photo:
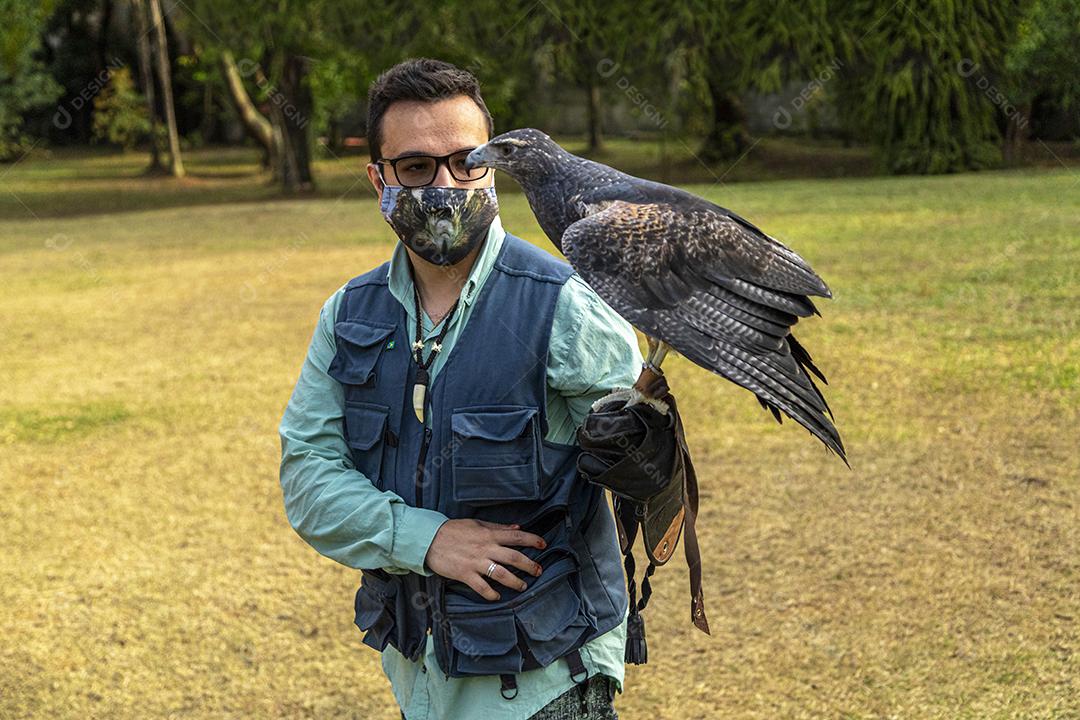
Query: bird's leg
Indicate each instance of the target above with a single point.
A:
(651, 382)
(657, 355)
(650, 385)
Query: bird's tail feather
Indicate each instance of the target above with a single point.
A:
(806, 363)
(779, 381)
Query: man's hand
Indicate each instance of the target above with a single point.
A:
(464, 550)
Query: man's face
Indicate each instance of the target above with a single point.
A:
(431, 128)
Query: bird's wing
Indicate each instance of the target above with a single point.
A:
(712, 238)
(721, 295)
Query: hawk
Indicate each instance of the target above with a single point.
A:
(691, 275)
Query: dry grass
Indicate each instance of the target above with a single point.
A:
(149, 570)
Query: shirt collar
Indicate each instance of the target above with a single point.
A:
(400, 281)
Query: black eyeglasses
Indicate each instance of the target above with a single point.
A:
(419, 170)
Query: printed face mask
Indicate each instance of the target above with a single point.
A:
(440, 224)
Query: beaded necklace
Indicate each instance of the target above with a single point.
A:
(422, 376)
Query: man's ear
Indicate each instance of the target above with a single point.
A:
(374, 179)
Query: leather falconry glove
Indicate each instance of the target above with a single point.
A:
(638, 451)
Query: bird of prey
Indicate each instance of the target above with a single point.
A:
(691, 275)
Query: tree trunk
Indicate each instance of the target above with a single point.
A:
(333, 135)
(206, 126)
(727, 139)
(146, 76)
(176, 165)
(103, 35)
(256, 125)
(1017, 131)
(596, 138)
(290, 108)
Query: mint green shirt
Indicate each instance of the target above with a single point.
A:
(340, 513)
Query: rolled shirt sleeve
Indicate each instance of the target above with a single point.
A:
(333, 506)
(593, 351)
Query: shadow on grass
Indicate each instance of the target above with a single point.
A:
(70, 183)
(75, 183)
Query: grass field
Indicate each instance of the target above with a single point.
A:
(153, 330)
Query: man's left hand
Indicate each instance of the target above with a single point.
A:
(630, 448)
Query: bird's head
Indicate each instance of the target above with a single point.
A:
(527, 155)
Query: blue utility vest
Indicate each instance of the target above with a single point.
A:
(484, 456)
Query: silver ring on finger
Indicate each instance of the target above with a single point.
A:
(491, 569)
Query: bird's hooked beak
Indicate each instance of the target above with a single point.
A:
(483, 156)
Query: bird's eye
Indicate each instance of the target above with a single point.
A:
(506, 150)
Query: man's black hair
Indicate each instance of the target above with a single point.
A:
(422, 79)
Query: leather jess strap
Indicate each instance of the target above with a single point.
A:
(631, 516)
(637, 450)
(690, 542)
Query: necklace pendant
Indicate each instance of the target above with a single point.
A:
(419, 394)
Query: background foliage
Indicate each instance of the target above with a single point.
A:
(933, 87)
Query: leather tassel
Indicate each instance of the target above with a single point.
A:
(637, 652)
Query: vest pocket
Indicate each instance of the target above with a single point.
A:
(365, 428)
(495, 454)
(375, 604)
(531, 630)
(485, 644)
(359, 345)
(554, 622)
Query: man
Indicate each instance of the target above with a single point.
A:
(430, 438)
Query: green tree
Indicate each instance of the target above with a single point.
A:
(120, 115)
(583, 37)
(499, 41)
(914, 85)
(727, 48)
(24, 82)
(291, 68)
(1044, 60)
(277, 54)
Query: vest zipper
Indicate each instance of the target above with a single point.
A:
(419, 490)
(420, 467)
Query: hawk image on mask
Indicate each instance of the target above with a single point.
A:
(691, 275)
